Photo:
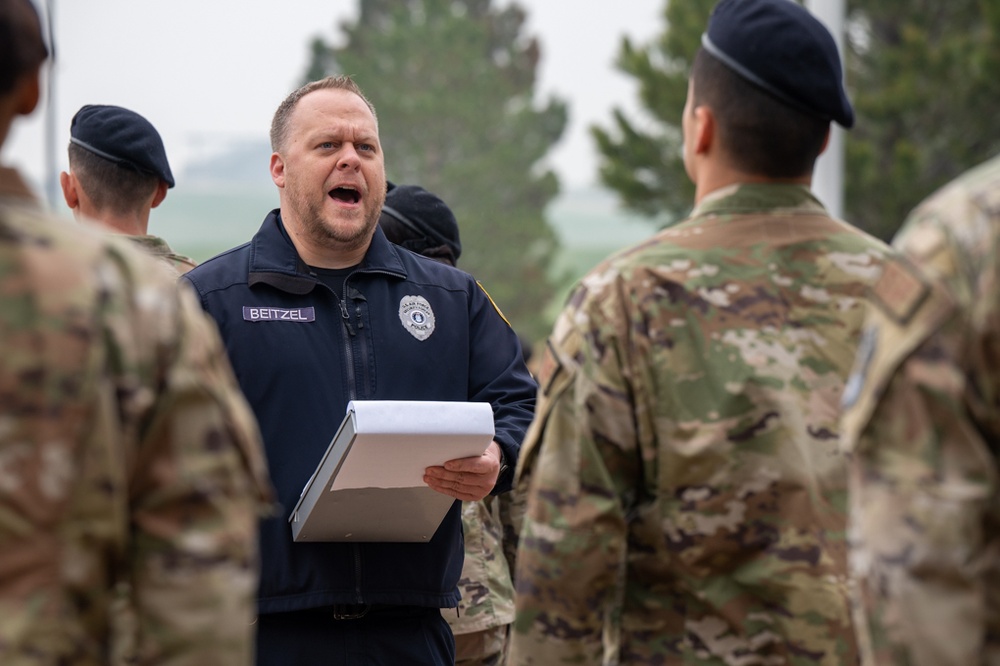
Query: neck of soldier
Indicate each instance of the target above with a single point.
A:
(130, 224)
(7, 113)
(716, 174)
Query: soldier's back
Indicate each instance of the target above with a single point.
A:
(715, 355)
(127, 456)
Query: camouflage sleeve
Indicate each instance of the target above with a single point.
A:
(510, 509)
(924, 517)
(197, 485)
(576, 469)
(921, 484)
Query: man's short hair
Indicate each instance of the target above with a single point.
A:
(279, 124)
(22, 47)
(113, 188)
(759, 133)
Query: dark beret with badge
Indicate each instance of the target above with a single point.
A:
(780, 47)
(123, 137)
(425, 215)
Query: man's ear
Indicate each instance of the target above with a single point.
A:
(160, 194)
(29, 91)
(68, 184)
(278, 170)
(826, 140)
(705, 129)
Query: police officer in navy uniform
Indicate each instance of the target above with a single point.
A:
(371, 321)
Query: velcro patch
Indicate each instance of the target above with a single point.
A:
(900, 290)
(549, 368)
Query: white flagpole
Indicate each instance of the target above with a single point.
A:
(828, 176)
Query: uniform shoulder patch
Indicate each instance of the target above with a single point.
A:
(900, 290)
(492, 302)
(549, 369)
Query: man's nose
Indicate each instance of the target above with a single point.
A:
(348, 158)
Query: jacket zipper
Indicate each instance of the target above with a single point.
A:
(352, 394)
(357, 297)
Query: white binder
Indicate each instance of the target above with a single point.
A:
(369, 484)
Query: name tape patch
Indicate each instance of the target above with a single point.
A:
(278, 314)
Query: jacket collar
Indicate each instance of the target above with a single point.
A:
(755, 197)
(274, 260)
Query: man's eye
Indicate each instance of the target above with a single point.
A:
(326, 145)
(366, 146)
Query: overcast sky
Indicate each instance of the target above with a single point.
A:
(207, 72)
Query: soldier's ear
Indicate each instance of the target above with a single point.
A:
(28, 92)
(705, 129)
(68, 184)
(826, 141)
(160, 194)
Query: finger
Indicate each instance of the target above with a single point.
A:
(467, 489)
(466, 464)
(457, 482)
(467, 474)
(466, 484)
(462, 493)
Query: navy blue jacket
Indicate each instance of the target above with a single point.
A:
(301, 354)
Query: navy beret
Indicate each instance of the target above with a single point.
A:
(779, 46)
(426, 215)
(122, 136)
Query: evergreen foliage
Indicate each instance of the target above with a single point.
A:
(453, 84)
(923, 78)
(641, 157)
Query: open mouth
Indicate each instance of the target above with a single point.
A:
(345, 194)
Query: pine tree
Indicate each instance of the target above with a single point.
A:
(453, 83)
(641, 158)
(923, 78)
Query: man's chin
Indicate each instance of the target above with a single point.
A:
(347, 237)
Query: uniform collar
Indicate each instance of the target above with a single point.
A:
(274, 260)
(153, 244)
(753, 197)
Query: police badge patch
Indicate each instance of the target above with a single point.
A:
(417, 317)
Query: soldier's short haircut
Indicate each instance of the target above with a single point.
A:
(110, 186)
(22, 47)
(760, 134)
(279, 124)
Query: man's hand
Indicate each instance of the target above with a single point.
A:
(467, 479)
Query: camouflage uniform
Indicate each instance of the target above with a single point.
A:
(127, 455)
(161, 249)
(686, 495)
(923, 423)
(487, 606)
